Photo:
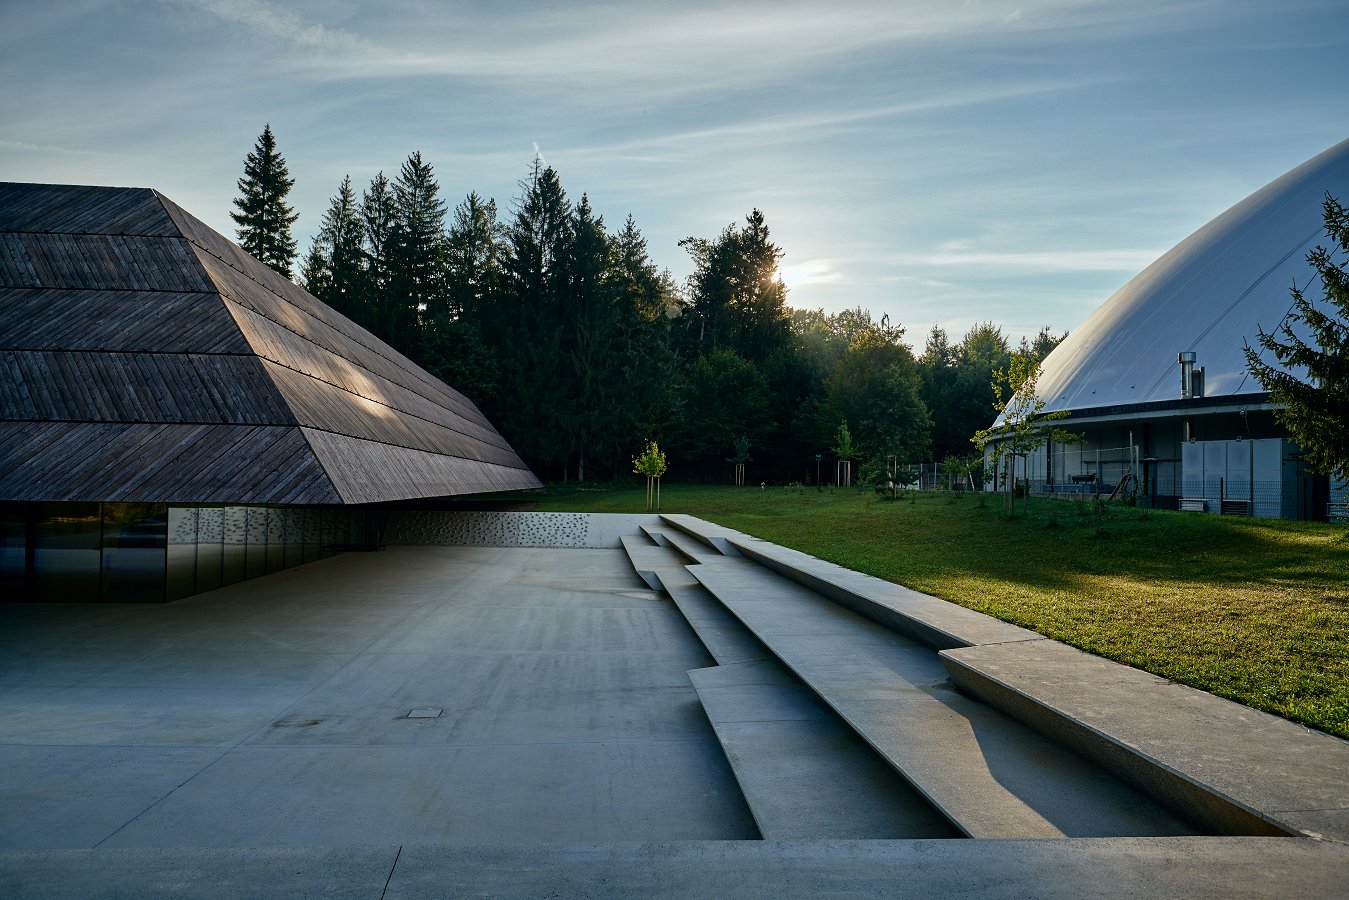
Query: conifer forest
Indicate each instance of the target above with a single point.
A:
(580, 348)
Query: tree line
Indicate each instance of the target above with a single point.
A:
(580, 348)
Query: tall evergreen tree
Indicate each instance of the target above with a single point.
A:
(453, 344)
(335, 269)
(588, 314)
(379, 216)
(1315, 340)
(737, 299)
(417, 252)
(525, 324)
(473, 251)
(263, 217)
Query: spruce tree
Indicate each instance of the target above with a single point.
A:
(264, 219)
(417, 252)
(334, 270)
(379, 217)
(1313, 341)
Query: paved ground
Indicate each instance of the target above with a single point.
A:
(275, 712)
(255, 742)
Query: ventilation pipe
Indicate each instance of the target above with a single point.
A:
(1186, 359)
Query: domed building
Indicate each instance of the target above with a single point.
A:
(1156, 378)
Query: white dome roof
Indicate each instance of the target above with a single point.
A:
(1208, 294)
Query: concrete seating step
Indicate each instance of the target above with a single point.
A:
(990, 775)
(919, 616)
(693, 550)
(804, 773)
(647, 557)
(1241, 771)
(722, 634)
(663, 568)
(715, 536)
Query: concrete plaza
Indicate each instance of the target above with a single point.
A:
(275, 712)
(444, 719)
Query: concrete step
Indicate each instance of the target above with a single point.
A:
(923, 618)
(990, 775)
(804, 773)
(715, 536)
(722, 634)
(663, 568)
(647, 557)
(1237, 770)
(692, 549)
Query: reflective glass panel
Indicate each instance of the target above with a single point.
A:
(257, 541)
(276, 539)
(13, 550)
(66, 552)
(210, 533)
(234, 546)
(135, 536)
(182, 552)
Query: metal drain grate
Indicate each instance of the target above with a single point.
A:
(427, 713)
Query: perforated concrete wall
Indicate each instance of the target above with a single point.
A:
(577, 531)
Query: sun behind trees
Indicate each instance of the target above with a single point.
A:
(573, 341)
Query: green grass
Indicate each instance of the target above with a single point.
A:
(1255, 610)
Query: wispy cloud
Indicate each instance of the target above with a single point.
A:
(1121, 260)
(25, 147)
(275, 21)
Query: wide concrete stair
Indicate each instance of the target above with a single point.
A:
(850, 707)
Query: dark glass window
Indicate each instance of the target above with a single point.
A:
(294, 525)
(66, 552)
(210, 536)
(234, 564)
(135, 536)
(182, 552)
(13, 550)
(276, 539)
(257, 542)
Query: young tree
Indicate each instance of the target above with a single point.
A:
(843, 449)
(652, 464)
(1315, 410)
(1023, 425)
(263, 217)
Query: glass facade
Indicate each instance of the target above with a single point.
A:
(136, 552)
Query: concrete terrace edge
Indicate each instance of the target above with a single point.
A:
(1228, 868)
(1188, 768)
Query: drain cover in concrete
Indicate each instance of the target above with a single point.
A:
(427, 713)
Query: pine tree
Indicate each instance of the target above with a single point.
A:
(1315, 410)
(417, 252)
(379, 217)
(473, 254)
(525, 323)
(334, 270)
(264, 219)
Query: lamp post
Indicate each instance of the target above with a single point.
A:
(817, 470)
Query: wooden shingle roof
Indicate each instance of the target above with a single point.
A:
(144, 357)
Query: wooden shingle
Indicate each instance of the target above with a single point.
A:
(143, 357)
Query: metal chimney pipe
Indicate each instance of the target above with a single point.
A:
(1186, 359)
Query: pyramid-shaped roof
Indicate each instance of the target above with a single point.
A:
(146, 358)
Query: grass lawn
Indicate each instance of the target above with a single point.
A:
(1256, 610)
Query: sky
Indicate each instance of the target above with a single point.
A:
(942, 163)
